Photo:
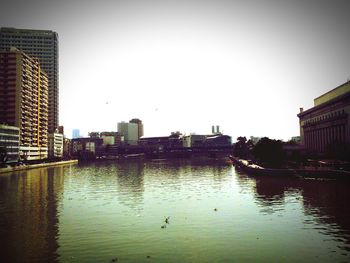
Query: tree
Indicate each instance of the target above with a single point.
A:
(241, 148)
(269, 152)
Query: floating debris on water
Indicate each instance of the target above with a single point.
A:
(215, 209)
(115, 259)
(163, 226)
(167, 220)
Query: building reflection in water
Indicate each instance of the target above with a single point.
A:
(131, 183)
(28, 221)
(326, 200)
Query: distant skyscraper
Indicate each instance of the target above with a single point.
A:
(24, 101)
(76, 133)
(41, 44)
(129, 131)
(140, 126)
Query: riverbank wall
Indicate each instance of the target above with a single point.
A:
(34, 166)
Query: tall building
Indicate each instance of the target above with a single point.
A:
(24, 101)
(326, 126)
(140, 127)
(129, 131)
(43, 45)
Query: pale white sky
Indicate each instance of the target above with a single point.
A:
(186, 65)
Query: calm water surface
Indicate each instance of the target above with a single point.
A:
(98, 212)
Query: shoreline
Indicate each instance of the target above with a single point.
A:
(34, 166)
(305, 172)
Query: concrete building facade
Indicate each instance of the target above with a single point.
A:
(43, 45)
(327, 124)
(24, 101)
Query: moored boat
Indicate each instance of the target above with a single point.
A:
(305, 172)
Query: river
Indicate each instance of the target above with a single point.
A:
(116, 211)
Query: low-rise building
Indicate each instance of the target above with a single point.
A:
(9, 143)
(296, 139)
(91, 145)
(161, 143)
(55, 145)
(194, 140)
(218, 140)
(110, 138)
(67, 149)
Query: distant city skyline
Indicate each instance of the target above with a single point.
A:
(247, 66)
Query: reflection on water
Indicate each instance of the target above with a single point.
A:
(28, 208)
(324, 202)
(96, 212)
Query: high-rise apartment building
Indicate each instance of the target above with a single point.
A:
(24, 101)
(43, 45)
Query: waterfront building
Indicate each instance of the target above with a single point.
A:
(129, 131)
(9, 142)
(42, 45)
(94, 134)
(24, 101)
(194, 140)
(218, 140)
(55, 145)
(67, 148)
(86, 145)
(327, 124)
(110, 138)
(162, 142)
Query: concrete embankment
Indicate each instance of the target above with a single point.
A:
(34, 166)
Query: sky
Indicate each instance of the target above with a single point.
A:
(247, 66)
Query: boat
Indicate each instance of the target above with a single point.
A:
(254, 169)
(304, 172)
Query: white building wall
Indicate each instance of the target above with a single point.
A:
(55, 145)
(33, 153)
